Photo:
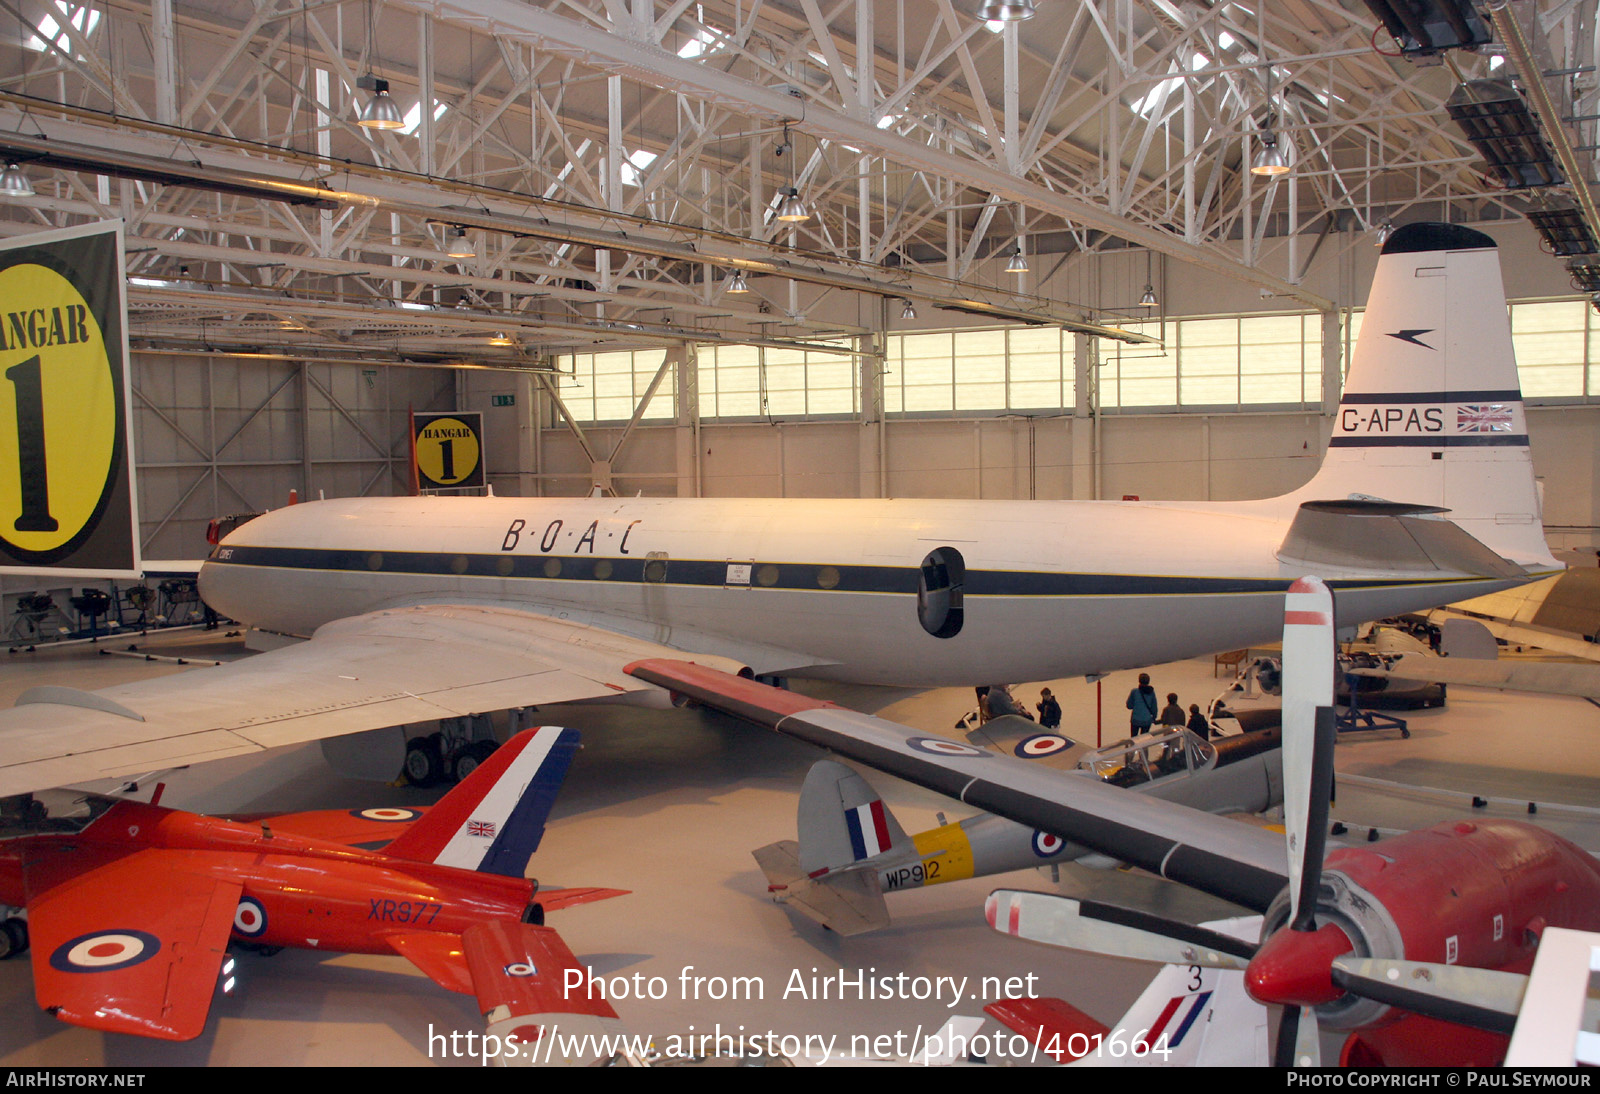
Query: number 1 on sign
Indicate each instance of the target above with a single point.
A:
(35, 481)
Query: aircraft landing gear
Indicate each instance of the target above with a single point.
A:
(424, 766)
(466, 761)
(452, 753)
(13, 937)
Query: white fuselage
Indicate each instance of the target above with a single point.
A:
(824, 588)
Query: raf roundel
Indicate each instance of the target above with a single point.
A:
(104, 951)
(1041, 744)
(522, 968)
(1046, 844)
(392, 815)
(250, 918)
(938, 746)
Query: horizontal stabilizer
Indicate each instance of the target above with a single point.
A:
(1362, 534)
(1055, 1025)
(536, 998)
(847, 903)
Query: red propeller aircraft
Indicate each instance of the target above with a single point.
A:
(131, 906)
(1355, 940)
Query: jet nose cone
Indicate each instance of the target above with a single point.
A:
(1293, 968)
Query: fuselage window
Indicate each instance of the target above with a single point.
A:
(939, 592)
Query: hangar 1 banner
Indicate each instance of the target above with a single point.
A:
(66, 472)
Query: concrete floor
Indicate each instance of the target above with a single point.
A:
(669, 807)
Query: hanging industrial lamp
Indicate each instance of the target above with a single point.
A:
(1385, 230)
(14, 183)
(908, 312)
(461, 245)
(737, 283)
(380, 111)
(1005, 11)
(792, 209)
(1148, 300)
(1018, 263)
(1269, 161)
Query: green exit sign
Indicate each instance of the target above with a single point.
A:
(502, 400)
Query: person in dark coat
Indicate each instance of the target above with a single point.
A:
(1142, 706)
(1049, 710)
(1198, 724)
(1172, 713)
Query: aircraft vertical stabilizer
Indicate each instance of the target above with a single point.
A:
(1432, 409)
(493, 821)
(842, 820)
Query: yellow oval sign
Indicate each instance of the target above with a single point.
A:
(58, 413)
(447, 451)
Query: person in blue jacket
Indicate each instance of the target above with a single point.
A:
(1143, 706)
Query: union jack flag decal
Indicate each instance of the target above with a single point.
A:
(481, 828)
(1483, 418)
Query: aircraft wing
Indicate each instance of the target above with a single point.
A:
(1213, 854)
(134, 946)
(385, 668)
(1546, 677)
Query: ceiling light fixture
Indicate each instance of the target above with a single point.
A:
(1385, 230)
(1148, 300)
(1269, 161)
(1005, 11)
(460, 244)
(14, 183)
(737, 283)
(1018, 263)
(380, 111)
(909, 311)
(792, 210)
(501, 338)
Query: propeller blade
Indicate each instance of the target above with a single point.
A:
(1308, 659)
(1481, 998)
(1299, 1041)
(1112, 930)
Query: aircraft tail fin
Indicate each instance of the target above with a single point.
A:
(1187, 1017)
(845, 831)
(842, 820)
(1432, 412)
(493, 821)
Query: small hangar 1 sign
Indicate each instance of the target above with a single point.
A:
(449, 450)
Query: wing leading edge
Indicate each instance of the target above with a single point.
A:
(382, 669)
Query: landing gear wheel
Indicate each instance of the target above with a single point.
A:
(423, 765)
(468, 759)
(13, 937)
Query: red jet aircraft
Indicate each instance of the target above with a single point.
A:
(131, 906)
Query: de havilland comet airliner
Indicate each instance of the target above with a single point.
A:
(424, 608)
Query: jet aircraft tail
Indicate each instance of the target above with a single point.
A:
(493, 820)
(1432, 414)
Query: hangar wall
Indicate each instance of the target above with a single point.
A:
(1181, 456)
(219, 435)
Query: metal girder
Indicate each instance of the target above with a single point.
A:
(645, 61)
